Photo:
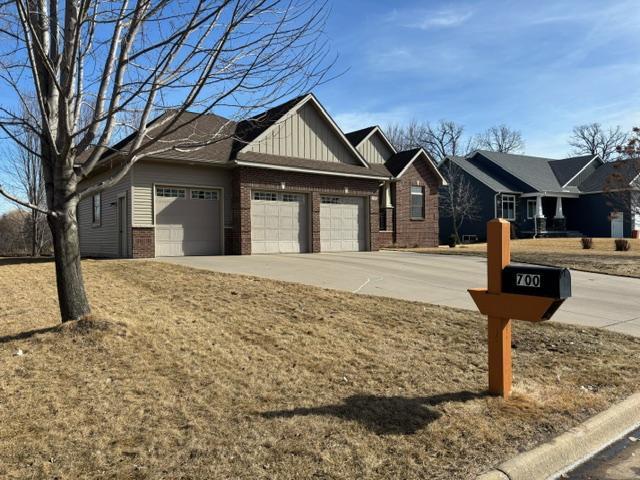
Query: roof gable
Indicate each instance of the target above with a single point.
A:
(375, 147)
(401, 161)
(482, 176)
(566, 169)
(618, 175)
(302, 129)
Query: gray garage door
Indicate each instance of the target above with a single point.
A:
(278, 222)
(342, 224)
(187, 221)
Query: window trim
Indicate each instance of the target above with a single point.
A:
(96, 201)
(512, 199)
(213, 194)
(170, 189)
(535, 206)
(423, 207)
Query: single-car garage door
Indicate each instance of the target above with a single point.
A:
(342, 224)
(278, 222)
(187, 221)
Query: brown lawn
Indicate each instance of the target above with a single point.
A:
(192, 374)
(565, 252)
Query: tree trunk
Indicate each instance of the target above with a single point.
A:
(72, 297)
(34, 233)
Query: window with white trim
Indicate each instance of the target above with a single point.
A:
(508, 207)
(270, 196)
(96, 204)
(333, 200)
(290, 197)
(531, 209)
(204, 195)
(171, 192)
(417, 203)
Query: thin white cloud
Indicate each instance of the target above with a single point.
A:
(430, 19)
(449, 18)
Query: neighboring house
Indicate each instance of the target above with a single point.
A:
(546, 197)
(288, 180)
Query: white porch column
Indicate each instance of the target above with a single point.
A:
(559, 213)
(539, 213)
(387, 195)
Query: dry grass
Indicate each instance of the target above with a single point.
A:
(565, 252)
(192, 374)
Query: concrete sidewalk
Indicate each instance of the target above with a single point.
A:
(603, 301)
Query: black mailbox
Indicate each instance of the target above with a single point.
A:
(550, 282)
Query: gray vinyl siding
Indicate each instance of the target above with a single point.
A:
(305, 134)
(147, 173)
(102, 240)
(374, 150)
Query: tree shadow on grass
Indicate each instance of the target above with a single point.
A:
(28, 334)
(23, 260)
(384, 415)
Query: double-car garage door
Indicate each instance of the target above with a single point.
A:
(280, 223)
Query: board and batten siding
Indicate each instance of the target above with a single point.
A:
(374, 150)
(146, 174)
(102, 240)
(305, 134)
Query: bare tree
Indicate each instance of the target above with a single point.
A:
(25, 168)
(500, 138)
(623, 184)
(593, 139)
(446, 138)
(458, 199)
(92, 64)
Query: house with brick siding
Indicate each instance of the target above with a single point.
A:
(285, 181)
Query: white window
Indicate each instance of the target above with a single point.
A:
(334, 200)
(508, 207)
(97, 209)
(417, 203)
(290, 197)
(171, 192)
(270, 196)
(204, 195)
(531, 209)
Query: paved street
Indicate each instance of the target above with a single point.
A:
(603, 301)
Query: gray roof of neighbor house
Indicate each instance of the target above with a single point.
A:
(612, 176)
(534, 171)
(473, 170)
(357, 136)
(567, 168)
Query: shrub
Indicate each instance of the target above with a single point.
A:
(622, 245)
(453, 241)
(587, 243)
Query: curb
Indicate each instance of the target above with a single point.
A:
(552, 459)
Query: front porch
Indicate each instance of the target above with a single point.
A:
(545, 215)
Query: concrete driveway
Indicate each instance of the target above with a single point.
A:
(604, 301)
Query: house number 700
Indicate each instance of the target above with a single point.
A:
(528, 280)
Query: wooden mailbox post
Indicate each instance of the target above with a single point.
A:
(513, 293)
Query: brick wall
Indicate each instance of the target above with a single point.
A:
(408, 232)
(246, 179)
(143, 241)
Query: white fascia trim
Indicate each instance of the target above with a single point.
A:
(384, 137)
(581, 170)
(305, 170)
(327, 117)
(433, 164)
(551, 194)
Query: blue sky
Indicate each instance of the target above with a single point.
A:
(539, 66)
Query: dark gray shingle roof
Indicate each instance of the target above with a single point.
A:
(398, 161)
(357, 136)
(612, 176)
(567, 168)
(481, 176)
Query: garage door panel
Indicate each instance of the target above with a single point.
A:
(278, 223)
(342, 224)
(187, 225)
